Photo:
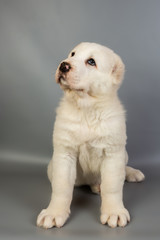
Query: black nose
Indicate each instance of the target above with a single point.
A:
(65, 67)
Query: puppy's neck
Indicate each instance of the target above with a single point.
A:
(85, 100)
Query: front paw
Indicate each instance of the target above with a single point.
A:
(115, 217)
(49, 218)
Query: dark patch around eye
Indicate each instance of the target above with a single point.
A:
(72, 54)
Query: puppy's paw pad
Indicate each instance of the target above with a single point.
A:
(116, 218)
(48, 219)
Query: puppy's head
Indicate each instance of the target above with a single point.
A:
(90, 68)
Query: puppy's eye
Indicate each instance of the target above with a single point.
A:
(72, 54)
(91, 62)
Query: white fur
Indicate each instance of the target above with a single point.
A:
(90, 137)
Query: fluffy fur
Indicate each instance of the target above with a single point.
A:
(89, 137)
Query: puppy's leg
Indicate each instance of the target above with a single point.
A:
(134, 175)
(113, 211)
(62, 181)
(49, 171)
(95, 188)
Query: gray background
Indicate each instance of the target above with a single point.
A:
(35, 36)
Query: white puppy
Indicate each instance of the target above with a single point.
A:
(89, 136)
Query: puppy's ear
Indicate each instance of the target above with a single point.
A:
(118, 70)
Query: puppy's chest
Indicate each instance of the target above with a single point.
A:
(89, 129)
(92, 141)
(99, 134)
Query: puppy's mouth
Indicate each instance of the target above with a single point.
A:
(62, 80)
(65, 86)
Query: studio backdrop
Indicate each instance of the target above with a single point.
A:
(35, 35)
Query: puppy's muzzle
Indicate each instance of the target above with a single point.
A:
(64, 67)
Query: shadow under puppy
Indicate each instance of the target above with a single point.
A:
(89, 136)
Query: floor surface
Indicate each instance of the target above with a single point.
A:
(25, 190)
